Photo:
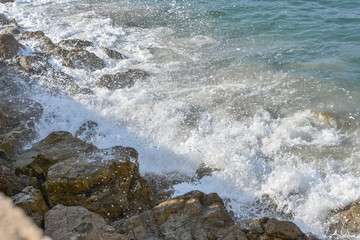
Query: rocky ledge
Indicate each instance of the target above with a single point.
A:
(71, 189)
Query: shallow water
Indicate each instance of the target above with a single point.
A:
(265, 92)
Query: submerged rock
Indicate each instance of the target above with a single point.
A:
(63, 223)
(32, 202)
(113, 54)
(194, 215)
(75, 173)
(347, 221)
(9, 46)
(121, 79)
(82, 59)
(87, 131)
(33, 64)
(76, 43)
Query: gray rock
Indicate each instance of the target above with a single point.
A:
(113, 54)
(82, 59)
(76, 43)
(9, 46)
(121, 79)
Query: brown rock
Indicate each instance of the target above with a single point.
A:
(56, 147)
(10, 183)
(121, 79)
(76, 43)
(6, 1)
(270, 228)
(9, 46)
(74, 172)
(82, 59)
(194, 215)
(32, 202)
(113, 54)
(15, 225)
(64, 223)
(112, 187)
(347, 221)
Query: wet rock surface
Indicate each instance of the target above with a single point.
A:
(63, 223)
(76, 43)
(121, 79)
(17, 128)
(82, 59)
(32, 202)
(15, 225)
(113, 54)
(347, 221)
(9, 46)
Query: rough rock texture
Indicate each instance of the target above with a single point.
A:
(15, 225)
(347, 222)
(270, 228)
(17, 124)
(82, 59)
(64, 223)
(6, 1)
(121, 79)
(194, 215)
(38, 41)
(32, 202)
(75, 173)
(33, 64)
(113, 54)
(76, 43)
(10, 183)
(87, 131)
(9, 46)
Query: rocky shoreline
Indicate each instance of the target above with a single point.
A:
(73, 190)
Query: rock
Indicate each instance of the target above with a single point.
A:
(10, 183)
(121, 79)
(75, 173)
(33, 64)
(9, 46)
(270, 228)
(76, 43)
(63, 223)
(17, 124)
(32, 202)
(113, 54)
(347, 221)
(6, 1)
(39, 41)
(87, 131)
(82, 59)
(194, 215)
(15, 225)
(56, 147)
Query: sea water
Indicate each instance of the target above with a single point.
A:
(265, 93)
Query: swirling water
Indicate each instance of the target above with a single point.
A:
(264, 92)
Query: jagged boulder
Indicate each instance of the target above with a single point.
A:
(194, 215)
(9, 46)
(63, 223)
(75, 173)
(32, 202)
(121, 79)
(347, 221)
(76, 43)
(17, 128)
(15, 225)
(82, 59)
(113, 54)
(270, 228)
